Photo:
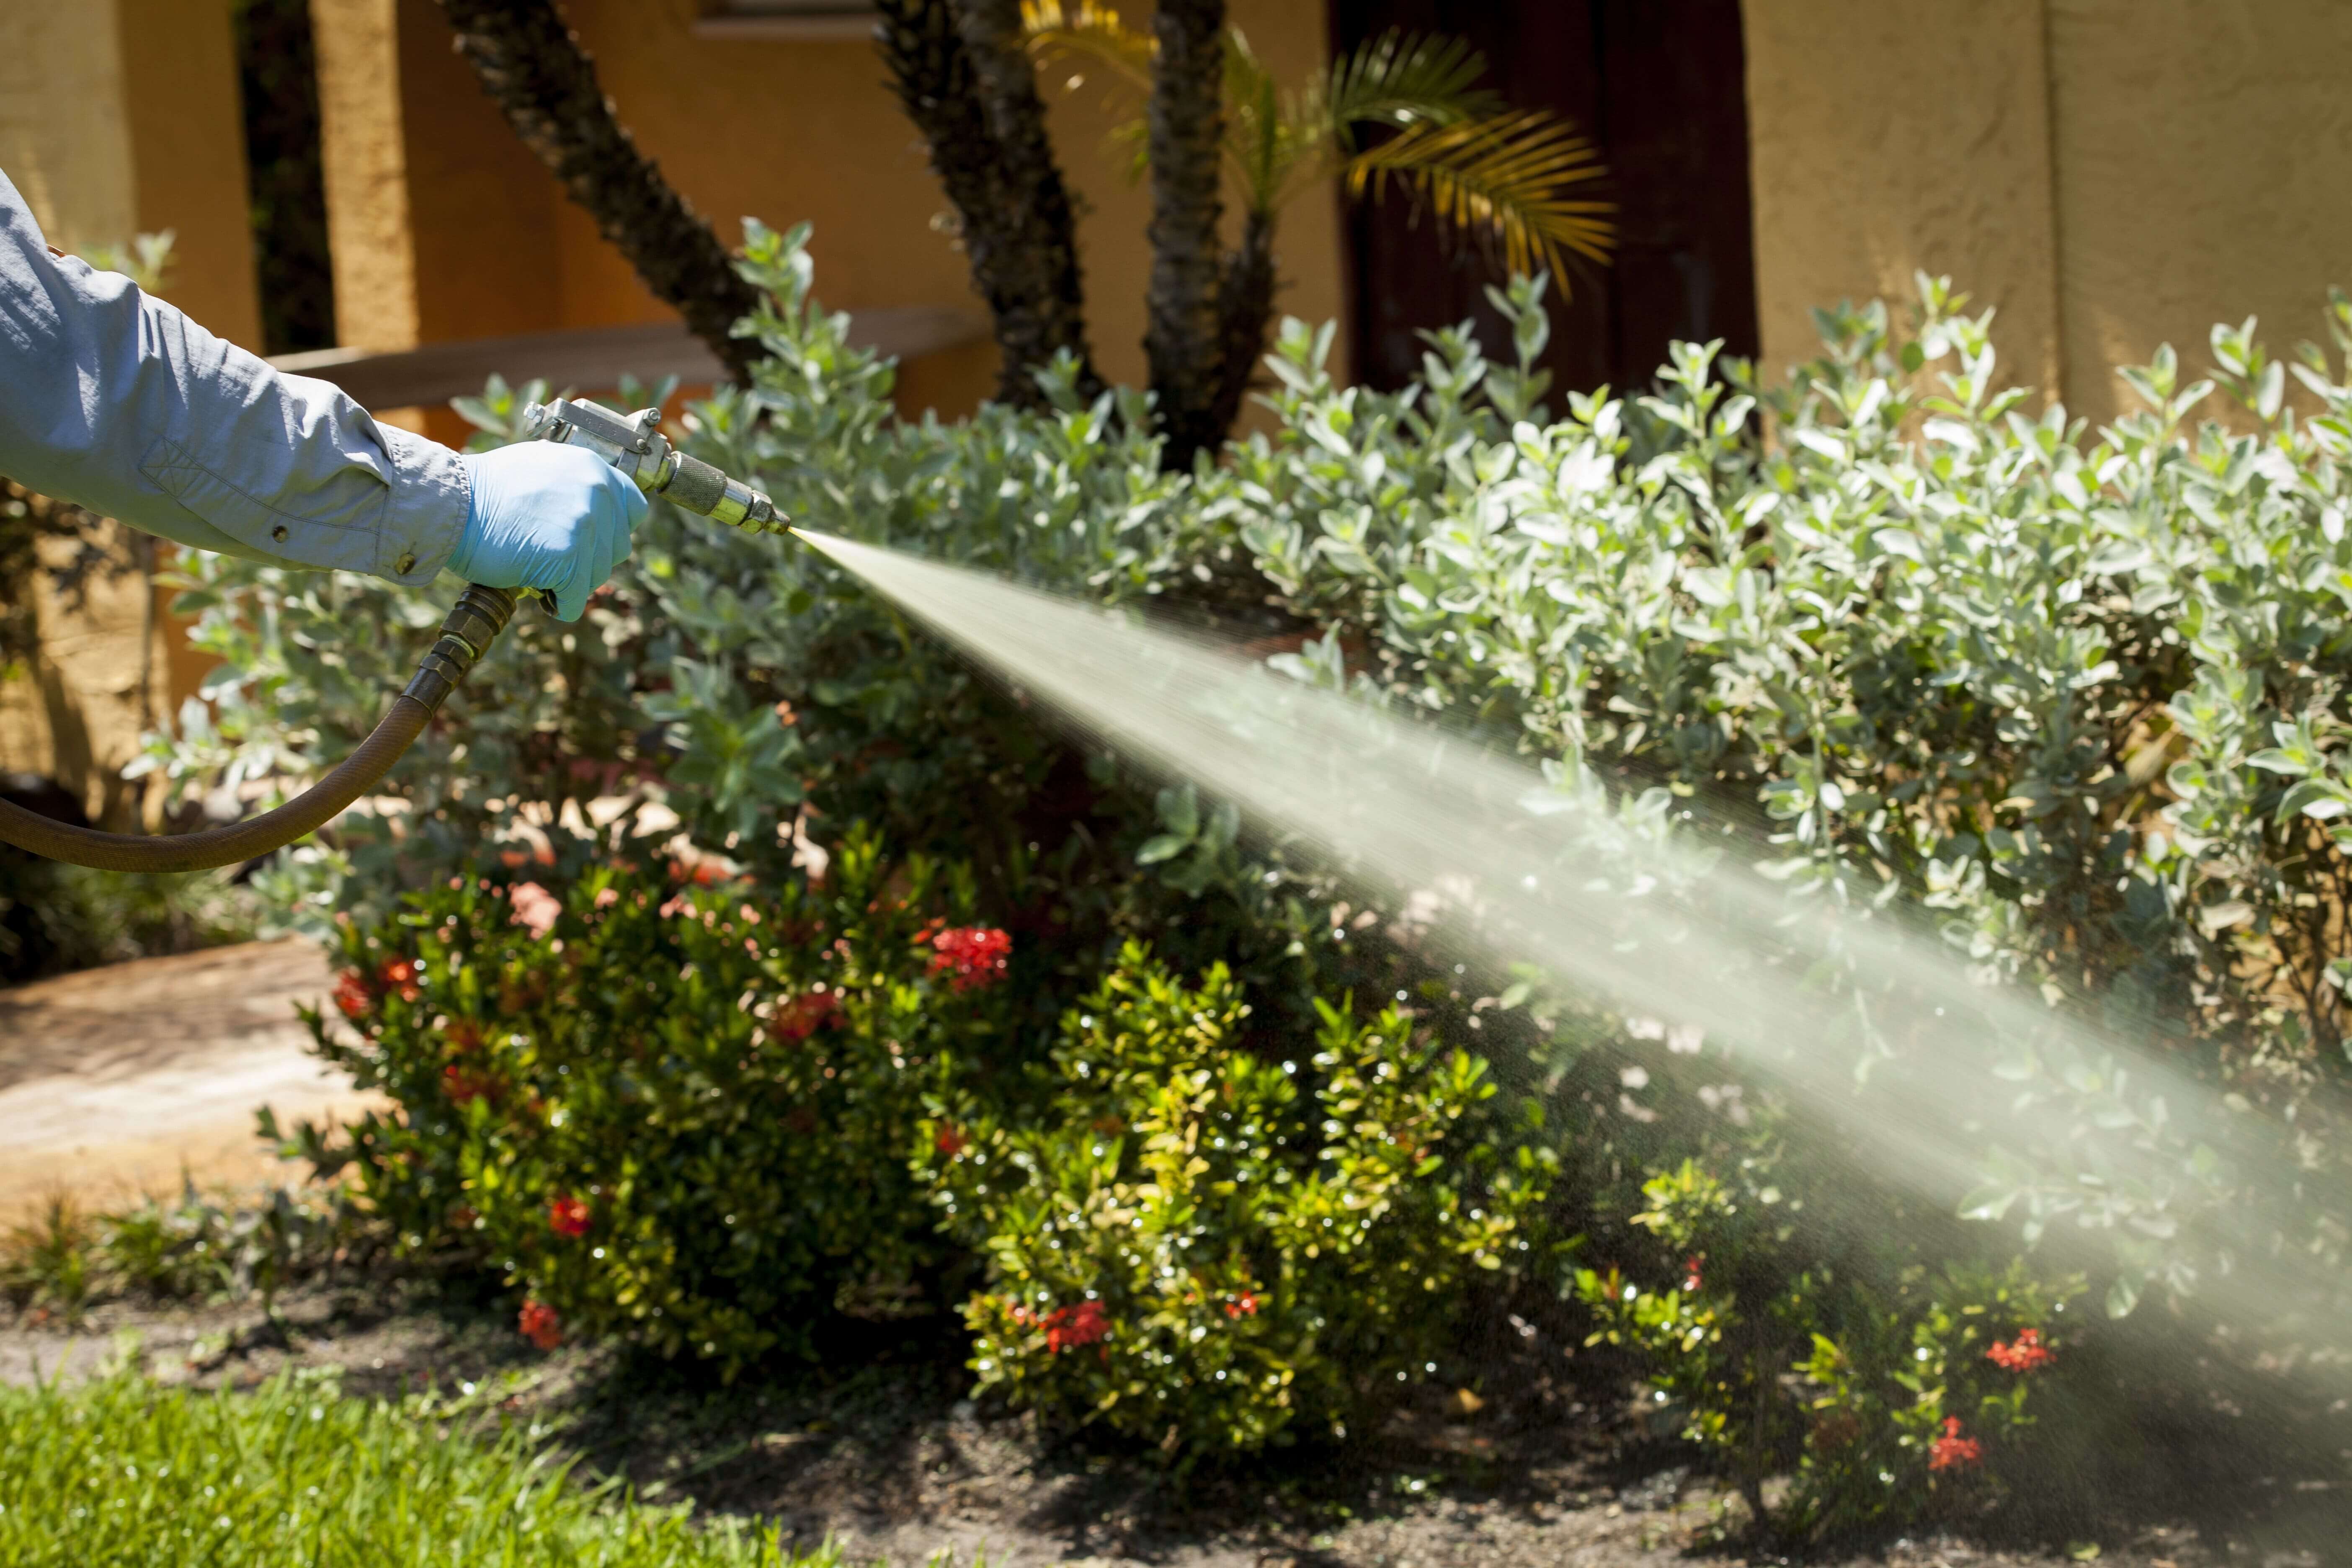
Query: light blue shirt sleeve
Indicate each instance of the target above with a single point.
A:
(114, 400)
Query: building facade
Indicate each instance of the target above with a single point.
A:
(2109, 174)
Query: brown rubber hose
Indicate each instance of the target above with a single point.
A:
(306, 813)
(465, 636)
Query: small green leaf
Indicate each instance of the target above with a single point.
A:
(1166, 847)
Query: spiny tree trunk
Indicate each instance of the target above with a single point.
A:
(965, 81)
(1244, 305)
(534, 67)
(1183, 339)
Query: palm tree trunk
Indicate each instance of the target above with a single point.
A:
(1182, 339)
(534, 67)
(1244, 305)
(965, 81)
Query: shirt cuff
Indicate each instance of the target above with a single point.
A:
(424, 516)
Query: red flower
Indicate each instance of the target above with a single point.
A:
(461, 1086)
(972, 956)
(950, 1143)
(399, 975)
(800, 1017)
(1692, 1278)
(1244, 1306)
(1951, 1451)
(352, 995)
(1068, 1328)
(540, 1326)
(2024, 1355)
(567, 1215)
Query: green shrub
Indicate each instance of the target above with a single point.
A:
(1208, 1249)
(122, 1472)
(2075, 698)
(1913, 1372)
(56, 918)
(2076, 695)
(62, 1258)
(677, 1112)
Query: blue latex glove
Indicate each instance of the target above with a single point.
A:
(545, 515)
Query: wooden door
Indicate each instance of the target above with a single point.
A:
(1659, 85)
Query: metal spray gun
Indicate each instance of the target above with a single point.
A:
(635, 445)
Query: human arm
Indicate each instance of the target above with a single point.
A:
(115, 400)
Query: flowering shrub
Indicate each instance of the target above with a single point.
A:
(1910, 1371)
(679, 1112)
(1210, 1250)
(2076, 698)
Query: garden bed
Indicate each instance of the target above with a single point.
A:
(883, 1453)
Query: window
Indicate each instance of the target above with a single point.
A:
(786, 21)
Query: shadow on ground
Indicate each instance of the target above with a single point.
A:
(879, 1449)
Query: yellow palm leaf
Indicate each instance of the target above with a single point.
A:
(1403, 78)
(1503, 177)
(1088, 31)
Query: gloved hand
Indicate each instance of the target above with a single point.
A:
(545, 515)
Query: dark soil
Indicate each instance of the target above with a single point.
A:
(879, 1449)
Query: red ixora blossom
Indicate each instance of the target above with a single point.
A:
(539, 1325)
(2022, 1355)
(461, 1086)
(1068, 1328)
(399, 975)
(1692, 1276)
(972, 956)
(800, 1017)
(951, 1144)
(567, 1215)
(352, 995)
(1242, 1306)
(1951, 1451)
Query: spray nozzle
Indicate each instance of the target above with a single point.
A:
(634, 444)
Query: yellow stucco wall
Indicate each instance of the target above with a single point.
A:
(455, 231)
(2204, 154)
(1887, 138)
(365, 167)
(120, 117)
(2112, 174)
(187, 141)
(64, 138)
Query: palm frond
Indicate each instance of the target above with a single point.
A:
(1089, 32)
(1263, 142)
(1404, 78)
(1504, 178)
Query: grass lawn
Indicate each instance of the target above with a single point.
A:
(125, 1471)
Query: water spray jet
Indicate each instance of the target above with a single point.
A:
(1600, 891)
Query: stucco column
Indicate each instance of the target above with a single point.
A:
(1887, 139)
(365, 163)
(119, 117)
(65, 140)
